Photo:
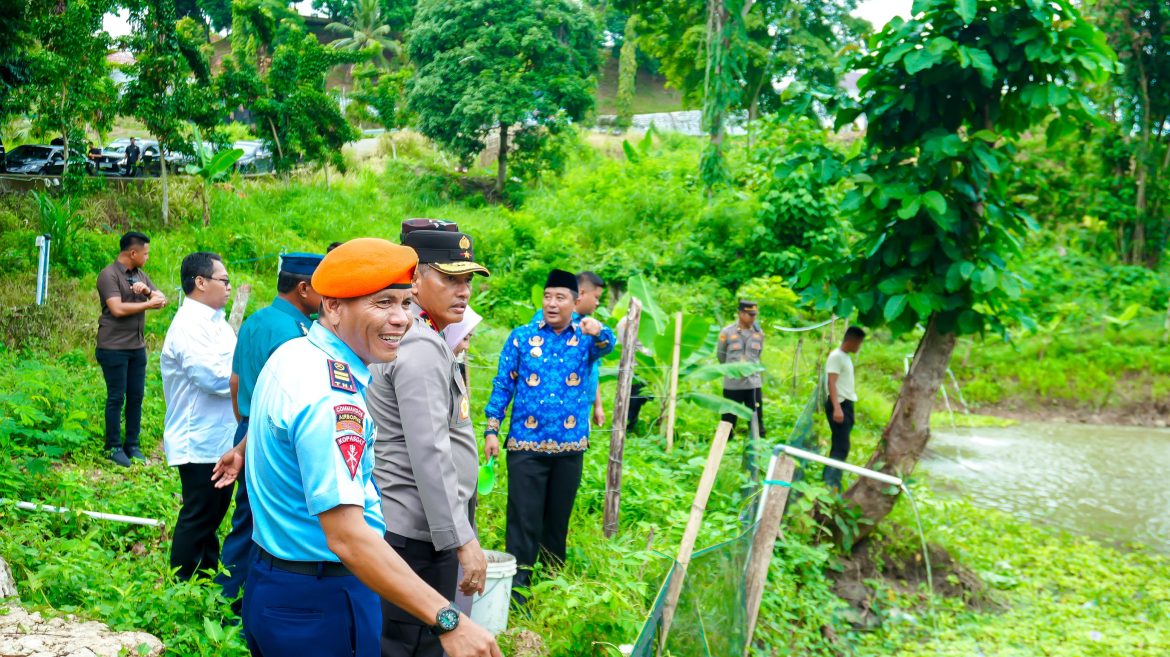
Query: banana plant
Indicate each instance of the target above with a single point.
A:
(211, 166)
(697, 364)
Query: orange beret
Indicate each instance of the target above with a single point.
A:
(364, 266)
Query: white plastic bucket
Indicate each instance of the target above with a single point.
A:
(490, 610)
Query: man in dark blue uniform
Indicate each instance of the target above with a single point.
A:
(261, 334)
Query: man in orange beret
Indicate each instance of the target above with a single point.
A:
(318, 524)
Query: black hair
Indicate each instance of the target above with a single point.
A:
(855, 333)
(132, 239)
(590, 278)
(333, 246)
(197, 264)
(286, 282)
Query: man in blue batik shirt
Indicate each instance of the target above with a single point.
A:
(544, 373)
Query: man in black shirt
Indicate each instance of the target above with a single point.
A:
(132, 155)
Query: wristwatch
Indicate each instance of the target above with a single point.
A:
(446, 620)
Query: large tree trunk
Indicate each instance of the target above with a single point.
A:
(502, 159)
(905, 437)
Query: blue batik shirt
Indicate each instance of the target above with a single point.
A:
(594, 372)
(545, 376)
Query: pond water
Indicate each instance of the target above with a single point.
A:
(1106, 482)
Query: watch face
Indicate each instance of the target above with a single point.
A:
(448, 619)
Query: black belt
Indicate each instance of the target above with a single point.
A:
(314, 568)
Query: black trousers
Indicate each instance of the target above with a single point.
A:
(753, 398)
(541, 491)
(404, 635)
(195, 546)
(840, 431)
(637, 401)
(125, 374)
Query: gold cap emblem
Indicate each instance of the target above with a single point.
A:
(464, 243)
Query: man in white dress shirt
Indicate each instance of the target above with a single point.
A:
(196, 367)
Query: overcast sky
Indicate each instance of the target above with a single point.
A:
(877, 12)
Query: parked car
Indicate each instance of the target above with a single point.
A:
(34, 160)
(2, 156)
(256, 159)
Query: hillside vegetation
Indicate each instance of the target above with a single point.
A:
(621, 218)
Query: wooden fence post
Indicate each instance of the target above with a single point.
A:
(239, 306)
(694, 523)
(673, 399)
(764, 541)
(621, 410)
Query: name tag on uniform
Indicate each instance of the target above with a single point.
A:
(340, 378)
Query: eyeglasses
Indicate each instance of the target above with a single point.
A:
(225, 281)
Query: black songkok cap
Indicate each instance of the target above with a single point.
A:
(562, 278)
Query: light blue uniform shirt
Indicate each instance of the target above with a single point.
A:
(310, 445)
(264, 331)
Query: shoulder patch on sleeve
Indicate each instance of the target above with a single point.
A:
(340, 378)
(349, 419)
(352, 447)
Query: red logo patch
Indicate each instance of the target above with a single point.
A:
(352, 447)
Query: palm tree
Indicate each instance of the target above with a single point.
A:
(366, 28)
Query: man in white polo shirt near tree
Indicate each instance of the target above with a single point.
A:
(842, 396)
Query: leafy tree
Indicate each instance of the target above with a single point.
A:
(256, 25)
(1139, 30)
(290, 101)
(13, 43)
(366, 29)
(170, 81)
(496, 64)
(945, 96)
(729, 55)
(627, 74)
(68, 83)
(376, 95)
(218, 13)
(395, 13)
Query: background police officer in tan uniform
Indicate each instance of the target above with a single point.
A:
(743, 342)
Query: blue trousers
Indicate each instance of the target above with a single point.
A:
(238, 551)
(291, 615)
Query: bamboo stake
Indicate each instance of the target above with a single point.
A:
(670, 409)
(796, 365)
(765, 540)
(694, 523)
(239, 305)
(621, 410)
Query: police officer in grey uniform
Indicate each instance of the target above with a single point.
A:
(426, 458)
(743, 342)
